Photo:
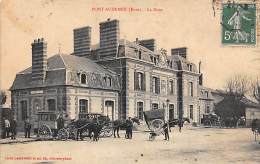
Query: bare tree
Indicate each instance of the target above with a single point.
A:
(2, 97)
(237, 85)
(255, 89)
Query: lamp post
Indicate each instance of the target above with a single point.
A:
(167, 113)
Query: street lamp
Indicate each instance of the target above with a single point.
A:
(167, 113)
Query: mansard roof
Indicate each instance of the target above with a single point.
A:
(57, 66)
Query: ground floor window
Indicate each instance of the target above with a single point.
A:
(191, 111)
(155, 106)
(83, 106)
(51, 104)
(207, 109)
(24, 106)
(171, 111)
(140, 109)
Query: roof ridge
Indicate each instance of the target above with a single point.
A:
(63, 61)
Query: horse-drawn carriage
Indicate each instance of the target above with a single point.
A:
(155, 121)
(83, 127)
(211, 120)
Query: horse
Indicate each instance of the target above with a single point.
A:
(117, 124)
(178, 122)
(88, 126)
(255, 127)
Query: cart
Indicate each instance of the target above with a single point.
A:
(155, 122)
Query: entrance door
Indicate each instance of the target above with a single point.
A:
(109, 110)
(171, 111)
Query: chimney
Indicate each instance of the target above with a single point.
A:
(39, 60)
(149, 44)
(82, 41)
(109, 38)
(180, 51)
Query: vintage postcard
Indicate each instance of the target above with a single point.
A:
(129, 81)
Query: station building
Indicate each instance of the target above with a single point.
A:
(115, 77)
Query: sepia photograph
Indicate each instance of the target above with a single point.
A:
(130, 81)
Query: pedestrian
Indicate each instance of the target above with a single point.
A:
(7, 128)
(27, 127)
(59, 124)
(13, 126)
(129, 128)
(166, 131)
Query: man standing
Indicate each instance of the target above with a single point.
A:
(27, 128)
(129, 128)
(13, 128)
(6, 128)
(166, 131)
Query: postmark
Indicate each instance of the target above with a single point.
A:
(238, 24)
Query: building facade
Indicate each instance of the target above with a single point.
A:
(116, 77)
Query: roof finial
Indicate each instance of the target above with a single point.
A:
(59, 47)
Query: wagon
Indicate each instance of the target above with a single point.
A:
(45, 124)
(155, 121)
(211, 120)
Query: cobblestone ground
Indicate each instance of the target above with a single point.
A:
(195, 145)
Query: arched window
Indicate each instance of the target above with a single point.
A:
(83, 79)
(109, 81)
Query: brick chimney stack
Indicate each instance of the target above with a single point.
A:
(82, 41)
(109, 38)
(149, 44)
(39, 60)
(180, 51)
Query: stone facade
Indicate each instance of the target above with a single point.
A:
(130, 78)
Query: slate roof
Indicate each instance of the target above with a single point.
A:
(56, 72)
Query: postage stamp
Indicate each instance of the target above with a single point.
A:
(239, 24)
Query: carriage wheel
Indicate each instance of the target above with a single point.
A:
(108, 132)
(63, 134)
(156, 124)
(102, 133)
(151, 137)
(72, 132)
(207, 123)
(44, 132)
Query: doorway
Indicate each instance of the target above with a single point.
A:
(109, 110)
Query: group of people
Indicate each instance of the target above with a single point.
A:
(10, 126)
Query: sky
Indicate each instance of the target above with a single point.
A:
(173, 23)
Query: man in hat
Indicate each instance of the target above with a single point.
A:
(13, 126)
(27, 127)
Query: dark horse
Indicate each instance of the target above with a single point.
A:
(85, 128)
(117, 124)
(178, 122)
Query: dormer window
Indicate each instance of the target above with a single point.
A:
(83, 79)
(189, 67)
(109, 81)
(151, 57)
(139, 55)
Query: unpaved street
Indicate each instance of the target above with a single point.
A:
(195, 145)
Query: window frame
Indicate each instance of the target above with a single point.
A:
(140, 113)
(86, 105)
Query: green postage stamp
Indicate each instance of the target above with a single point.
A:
(239, 24)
